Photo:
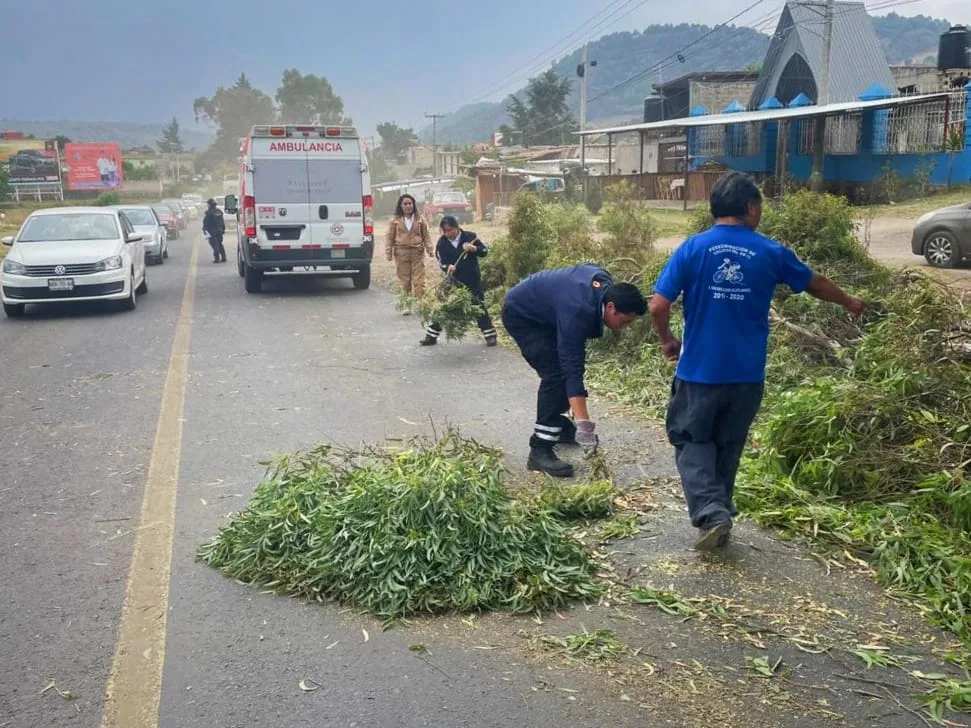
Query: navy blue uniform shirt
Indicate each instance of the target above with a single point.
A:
(568, 302)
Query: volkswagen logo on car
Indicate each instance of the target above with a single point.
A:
(60, 270)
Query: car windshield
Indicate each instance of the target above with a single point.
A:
(69, 227)
(140, 217)
(163, 210)
(452, 197)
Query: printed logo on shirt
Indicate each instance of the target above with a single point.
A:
(596, 284)
(729, 271)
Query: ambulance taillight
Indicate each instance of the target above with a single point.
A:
(368, 216)
(249, 216)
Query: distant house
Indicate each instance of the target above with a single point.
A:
(794, 61)
(713, 90)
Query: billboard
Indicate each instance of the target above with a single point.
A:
(94, 166)
(30, 161)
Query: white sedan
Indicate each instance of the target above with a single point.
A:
(67, 254)
(147, 224)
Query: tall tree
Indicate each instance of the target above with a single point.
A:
(171, 141)
(395, 139)
(543, 116)
(61, 140)
(233, 111)
(310, 98)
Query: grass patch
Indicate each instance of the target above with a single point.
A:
(917, 207)
(426, 529)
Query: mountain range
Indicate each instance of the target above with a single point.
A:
(665, 52)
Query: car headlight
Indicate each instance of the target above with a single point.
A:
(14, 268)
(112, 263)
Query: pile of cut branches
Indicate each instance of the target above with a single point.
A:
(430, 528)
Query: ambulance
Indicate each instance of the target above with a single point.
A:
(305, 204)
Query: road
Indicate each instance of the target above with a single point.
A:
(126, 438)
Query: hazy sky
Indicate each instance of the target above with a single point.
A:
(137, 61)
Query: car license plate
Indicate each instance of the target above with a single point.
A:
(60, 284)
(337, 253)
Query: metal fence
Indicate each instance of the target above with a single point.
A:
(927, 127)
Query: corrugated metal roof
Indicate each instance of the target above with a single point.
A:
(748, 117)
(857, 60)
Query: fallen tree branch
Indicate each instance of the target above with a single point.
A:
(832, 346)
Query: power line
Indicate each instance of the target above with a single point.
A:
(677, 55)
(544, 57)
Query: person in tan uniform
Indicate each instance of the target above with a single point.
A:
(407, 243)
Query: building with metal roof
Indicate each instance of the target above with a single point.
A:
(794, 61)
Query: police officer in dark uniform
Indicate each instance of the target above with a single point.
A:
(551, 315)
(458, 253)
(215, 227)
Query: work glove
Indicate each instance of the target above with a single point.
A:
(586, 437)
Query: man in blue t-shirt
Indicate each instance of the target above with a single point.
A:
(727, 277)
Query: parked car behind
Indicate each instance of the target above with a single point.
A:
(168, 218)
(64, 254)
(943, 236)
(448, 203)
(147, 223)
(180, 210)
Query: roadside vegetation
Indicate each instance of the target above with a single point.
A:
(865, 435)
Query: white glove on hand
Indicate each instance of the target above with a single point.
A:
(586, 438)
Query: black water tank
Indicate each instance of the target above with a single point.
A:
(955, 49)
(653, 109)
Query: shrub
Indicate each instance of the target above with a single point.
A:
(530, 240)
(106, 199)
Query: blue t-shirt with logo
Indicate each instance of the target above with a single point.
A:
(728, 276)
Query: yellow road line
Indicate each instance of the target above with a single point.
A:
(135, 684)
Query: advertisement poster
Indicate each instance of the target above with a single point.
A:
(94, 166)
(29, 161)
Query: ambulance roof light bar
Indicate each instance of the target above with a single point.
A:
(289, 130)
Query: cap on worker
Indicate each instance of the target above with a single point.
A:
(211, 202)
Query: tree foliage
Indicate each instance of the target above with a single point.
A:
(308, 98)
(395, 139)
(171, 140)
(4, 181)
(543, 116)
(233, 111)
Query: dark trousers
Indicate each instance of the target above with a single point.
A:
(538, 347)
(484, 320)
(708, 426)
(218, 251)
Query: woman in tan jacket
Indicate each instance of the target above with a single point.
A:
(407, 243)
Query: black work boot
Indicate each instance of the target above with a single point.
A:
(491, 341)
(428, 341)
(545, 460)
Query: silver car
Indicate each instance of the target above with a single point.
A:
(943, 237)
(153, 232)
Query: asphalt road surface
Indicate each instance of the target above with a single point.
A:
(93, 410)
(126, 438)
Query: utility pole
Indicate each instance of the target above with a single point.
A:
(434, 118)
(582, 73)
(819, 136)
